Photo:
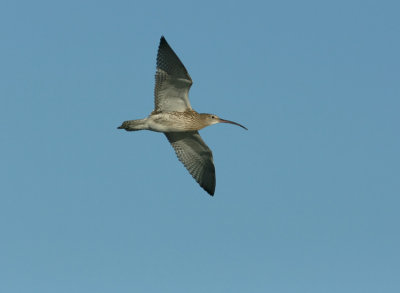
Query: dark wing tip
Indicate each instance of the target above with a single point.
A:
(168, 61)
(207, 181)
(210, 191)
(163, 43)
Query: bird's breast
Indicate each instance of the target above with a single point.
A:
(173, 122)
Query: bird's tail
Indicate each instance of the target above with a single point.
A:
(134, 125)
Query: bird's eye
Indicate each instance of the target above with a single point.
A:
(212, 116)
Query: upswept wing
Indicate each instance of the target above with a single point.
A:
(171, 92)
(196, 156)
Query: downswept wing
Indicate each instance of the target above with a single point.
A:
(171, 92)
(196, 156)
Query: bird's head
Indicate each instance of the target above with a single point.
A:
(211, 119)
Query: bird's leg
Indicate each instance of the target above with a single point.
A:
(134, 125)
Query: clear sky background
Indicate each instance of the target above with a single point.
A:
(307, 200)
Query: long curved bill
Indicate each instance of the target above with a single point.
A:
(231, 122)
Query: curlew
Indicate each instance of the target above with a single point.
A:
(174, 116)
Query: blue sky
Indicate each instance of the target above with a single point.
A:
(307, 200)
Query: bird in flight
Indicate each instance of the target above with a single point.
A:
(174, 116)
